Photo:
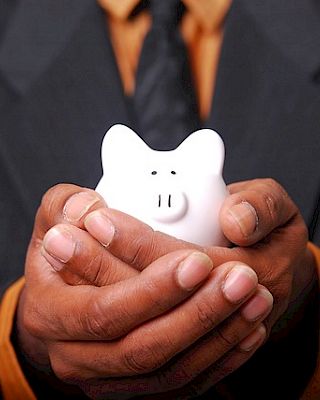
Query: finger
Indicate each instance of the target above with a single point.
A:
(66, 203)
(105, 313)
(80, 259)
(134, 242)
(151, 247)
(138, 245)
(174, 381)
(154, 343)
(177, 382)
(254, 209)
(229, 363)
(238, 334)
(273, 265)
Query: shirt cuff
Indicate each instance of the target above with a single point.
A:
(14, 385)
(312, 391)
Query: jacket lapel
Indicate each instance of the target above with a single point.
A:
(37, 32)
(56, 117)
(294, 25)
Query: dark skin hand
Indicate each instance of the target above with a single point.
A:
(122, 292)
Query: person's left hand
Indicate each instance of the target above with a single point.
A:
(268, 231)
(258, 217)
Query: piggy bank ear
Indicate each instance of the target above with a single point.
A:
(203, 151)
(121, 146)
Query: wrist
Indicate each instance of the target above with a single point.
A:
(35, 362)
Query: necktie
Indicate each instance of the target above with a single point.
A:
(164, 99)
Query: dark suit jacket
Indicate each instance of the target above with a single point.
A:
(60, 90)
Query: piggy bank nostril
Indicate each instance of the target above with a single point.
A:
(169, 201)
(169, 207)
(160, 200)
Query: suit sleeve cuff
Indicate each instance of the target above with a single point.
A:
(14, 385)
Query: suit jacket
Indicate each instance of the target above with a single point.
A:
(60, 90)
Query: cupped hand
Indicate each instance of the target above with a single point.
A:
(175, 321)
(270, 234)
(267, 232)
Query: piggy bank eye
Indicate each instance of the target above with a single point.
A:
(173, 172)
(154, 173)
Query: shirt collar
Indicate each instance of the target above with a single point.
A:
(209, 13)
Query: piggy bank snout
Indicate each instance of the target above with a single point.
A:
(168, 205)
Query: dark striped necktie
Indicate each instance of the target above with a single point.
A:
(164, 99)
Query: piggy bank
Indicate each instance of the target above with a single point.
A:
(178, 192)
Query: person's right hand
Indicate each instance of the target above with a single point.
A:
(173, 321)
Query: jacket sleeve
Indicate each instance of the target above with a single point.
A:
(14, 385)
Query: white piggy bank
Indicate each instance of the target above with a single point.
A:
(178, 192)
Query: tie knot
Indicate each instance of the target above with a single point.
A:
(166, 12)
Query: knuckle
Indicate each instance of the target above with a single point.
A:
(276, 197)
(275, 186)
(95, 270)
(48, 200)
(144, 248)
(100, 322)
(95, 321)
(63, 370)
(71, 362)
(207, 315)
(142, 359)
(153, 292)
(228, 337)
(271, 206)
(48, 195)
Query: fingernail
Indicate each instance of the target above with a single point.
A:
(99, 226)
(193, 270)
(240, 282)
(254, 339)
(258, 306)
(55, 264)
(245, 216)
(78, 204)
(59, 244)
